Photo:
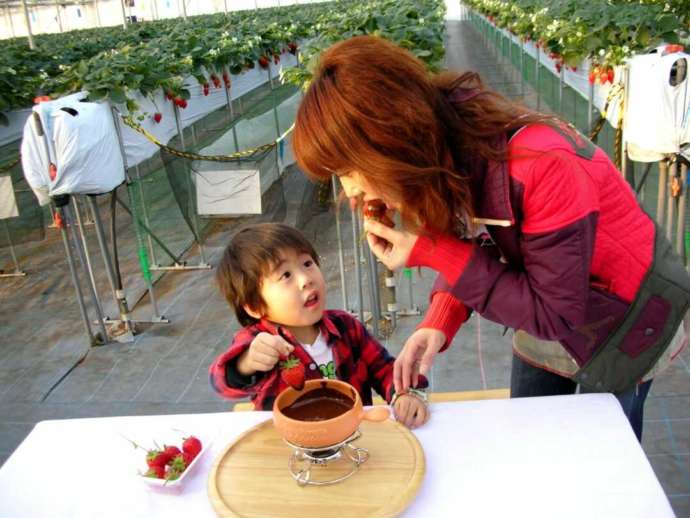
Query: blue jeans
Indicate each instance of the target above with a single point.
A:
(527, 380)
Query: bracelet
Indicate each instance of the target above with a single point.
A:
(418, 393)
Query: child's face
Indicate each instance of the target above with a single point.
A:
(294, 292)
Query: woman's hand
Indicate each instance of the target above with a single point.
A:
(416, 357)
(410, 411)
(392, 247)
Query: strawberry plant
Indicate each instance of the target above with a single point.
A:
(607, 32)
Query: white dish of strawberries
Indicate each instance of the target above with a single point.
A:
(169, 459)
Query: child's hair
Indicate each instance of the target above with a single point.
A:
(249, 257)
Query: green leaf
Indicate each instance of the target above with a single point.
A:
(117, 95)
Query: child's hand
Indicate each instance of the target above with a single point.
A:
(410, 410)
(263, 354)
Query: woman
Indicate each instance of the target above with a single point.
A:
(526, 221)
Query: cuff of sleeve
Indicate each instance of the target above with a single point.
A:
(236, 380)
(447, 314)
(445, 254)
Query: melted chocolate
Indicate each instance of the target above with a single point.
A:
(318, 405)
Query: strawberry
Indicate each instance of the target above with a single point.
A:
(611, 75)
(57, 219)
(41, 98)
(558, 67)
(176, 467)
(673, 48)
(169, 95)
(292, 47)
(205, 89)
(52, 171)
(191, 445)
(276, 58)
(376, 210)
(188, 458)
(263, 62)
(157, 117)
(604, 76)
(155, 472)
(292, 372)
(157, 458)
(172, 452)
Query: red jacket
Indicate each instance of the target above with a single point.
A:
(572, 247)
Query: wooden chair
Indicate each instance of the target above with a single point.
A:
(434, 397)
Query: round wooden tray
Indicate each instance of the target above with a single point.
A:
(251, 477)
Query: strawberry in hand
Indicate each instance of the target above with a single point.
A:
(292, 372)
(376, 210)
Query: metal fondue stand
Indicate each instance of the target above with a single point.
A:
(302, 460)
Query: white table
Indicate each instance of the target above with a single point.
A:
(557, 456)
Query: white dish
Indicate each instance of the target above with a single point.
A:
(169, 437)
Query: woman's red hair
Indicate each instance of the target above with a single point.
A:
(374, 108)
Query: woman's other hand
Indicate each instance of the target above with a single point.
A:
(392, 247)
(416, 357)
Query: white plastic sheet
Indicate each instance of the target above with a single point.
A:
(658, 116)
(80, 140)
(8, 203)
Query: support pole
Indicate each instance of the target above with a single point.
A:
(536, 78)
(358, 269)
(27, 20)
(682, 201)
(143, 259)
(124, 14)
(86, 256)
(273, 98)
(341, 254)
(59, 17)
(231, 109)
(670, 214)
(118, 292)
(561, 80)
(661, 195)
(590, 107)
(373, 290)
(140, 183)
(190, 187)
(83, 255)
(73, 274)
(98, 14)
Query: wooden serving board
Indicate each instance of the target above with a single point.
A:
(251, 477)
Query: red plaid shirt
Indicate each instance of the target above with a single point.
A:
(359, 360)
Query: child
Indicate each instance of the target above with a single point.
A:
(270, 276)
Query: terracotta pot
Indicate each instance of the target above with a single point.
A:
(317, 434)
